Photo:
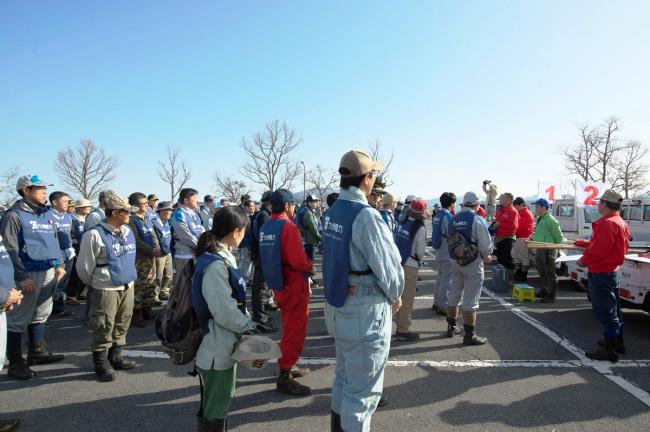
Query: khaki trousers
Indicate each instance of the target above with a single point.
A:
(403, 316)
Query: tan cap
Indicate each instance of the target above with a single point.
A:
(356, 163)
(114, 202)
(389, 198)
(611, 196)
(83, 202)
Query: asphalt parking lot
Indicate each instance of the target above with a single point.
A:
(532, 375)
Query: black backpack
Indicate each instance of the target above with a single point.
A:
(461, 249)
(178, 328)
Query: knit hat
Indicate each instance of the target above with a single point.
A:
(418, 206)
(470, 199)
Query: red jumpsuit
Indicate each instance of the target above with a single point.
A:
(293, 300)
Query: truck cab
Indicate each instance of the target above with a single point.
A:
(636, 213)
(576, 219)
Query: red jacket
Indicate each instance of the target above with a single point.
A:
(508, 219)
(610, 238)
(481, 212)
(294, 263)
(526, 223)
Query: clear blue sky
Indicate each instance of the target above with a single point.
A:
(461, 91)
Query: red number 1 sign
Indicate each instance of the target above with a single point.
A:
(549, 191)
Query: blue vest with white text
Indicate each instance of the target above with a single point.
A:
(191, 218)
(437, 235)
(145, 229)
(39, 249)
(6, 269)
(270, 244)
(164, 233)
(403, 240)
(463, 223)
(121, 255)
(63, 224)
(235, 279)
(336, 238)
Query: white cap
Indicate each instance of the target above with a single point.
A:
(410, 198)
(252, 348)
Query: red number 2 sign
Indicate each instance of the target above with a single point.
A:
(592, 192)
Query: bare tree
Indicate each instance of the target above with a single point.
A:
(377, 154)
(86, 168)
(229, 187)
(593, 158)
(173, 171)
(631, 172)
(8, 194)
(321, 180)
(581, 159)
(269, 163)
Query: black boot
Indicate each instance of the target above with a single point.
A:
(607, 352)
(287, 385)
(518, 276)
(620, 346)
(39, 355)
(18, 369)
(452, 328)
(103, 368)
(524, 273)
(335, 423)
(471, 338)
(203, 425)
(117, 361)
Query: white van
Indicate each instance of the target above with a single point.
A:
(636, 212)
(573, 219)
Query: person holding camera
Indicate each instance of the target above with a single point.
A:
(491, 194)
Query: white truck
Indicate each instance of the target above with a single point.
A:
(634, 282)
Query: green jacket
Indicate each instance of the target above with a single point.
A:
(547, 230)
(310, 227)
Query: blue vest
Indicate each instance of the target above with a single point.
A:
(337, 235)
(164, 233)
(192, 218)
(257, 223)
(40, 248)
(462, 223)
(145, 229)
(6, 269)
(121, 256)
(297, 219)
(247, 241)
(63, 224)
(436, 223)
(78, 227)
(235, 279)
(389, 219)
(403, 240)
(271, 253)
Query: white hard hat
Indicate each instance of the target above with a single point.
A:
(254, 351)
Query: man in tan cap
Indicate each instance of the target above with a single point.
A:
(389, 201)
(605, 253)
(75, 286)
(106, 262)
(363, 280)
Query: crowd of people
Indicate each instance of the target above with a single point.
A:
(125, 257)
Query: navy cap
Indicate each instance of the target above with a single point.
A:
(282, 196)
(542, 202)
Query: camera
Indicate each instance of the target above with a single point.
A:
(487, 182)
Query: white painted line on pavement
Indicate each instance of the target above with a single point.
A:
(604, 368)
(324, 361)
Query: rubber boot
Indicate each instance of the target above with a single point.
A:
(203, 425)
(471, 338)
(620, 345)
(38, 355)
(287, 385)
(518, 276)
(335, 422)
(607, 352)
(524, 273)
(103, 368)
(147, 314)
(452, 328)
(138, 319)
(117, 361)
